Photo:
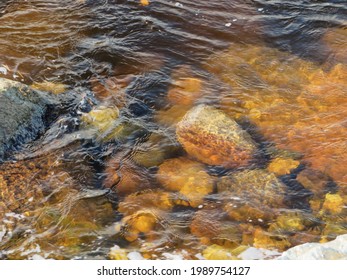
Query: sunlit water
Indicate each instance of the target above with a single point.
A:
(276, 67)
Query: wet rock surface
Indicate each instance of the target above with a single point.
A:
(22, 115)
(210, 136)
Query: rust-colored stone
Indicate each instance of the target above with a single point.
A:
(210, 136)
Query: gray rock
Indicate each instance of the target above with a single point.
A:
(22, 114)
(333, 250)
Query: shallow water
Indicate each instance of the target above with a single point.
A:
(91, 181)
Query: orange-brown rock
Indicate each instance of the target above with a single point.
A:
(207, 223)
(210, 136)
(187, 177)
(282, 166)
(143, 221)
(265, 240)
(125, 177)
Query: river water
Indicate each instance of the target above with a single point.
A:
(277, 67)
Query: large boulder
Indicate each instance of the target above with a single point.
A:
(23, 114)
(212, 137)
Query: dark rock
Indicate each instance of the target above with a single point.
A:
(21, 115)
(25, 113)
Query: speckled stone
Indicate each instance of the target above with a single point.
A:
(212, 137)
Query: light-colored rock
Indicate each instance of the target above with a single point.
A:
(116, 253)
(101, 118)
(333, 250)
(210, 136)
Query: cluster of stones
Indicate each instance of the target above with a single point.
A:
(246, 207)
(250, 205)
(169, 194)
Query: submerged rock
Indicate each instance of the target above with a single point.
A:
(187, 177)
(112, 89)
(101, 118)
(213, 138)
(141, 222)
(185, 87)
(22, 115)
(155, 150)
(251, 195)
(125, 177)
(171, 116)
(264, 240)
(315, 181)
(185, 91)
(333, 203)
